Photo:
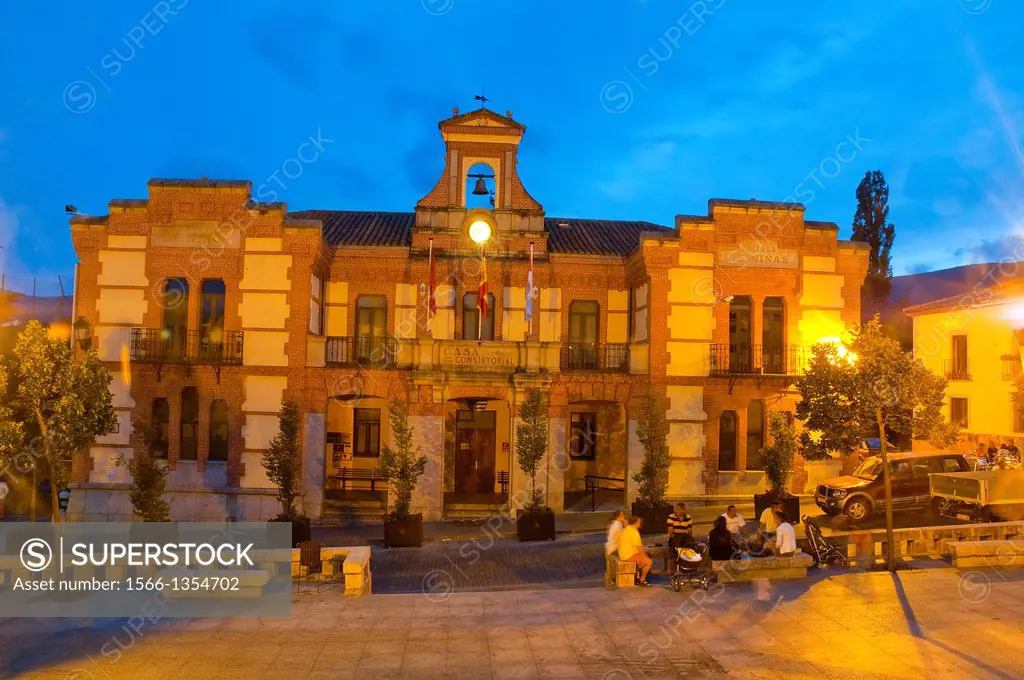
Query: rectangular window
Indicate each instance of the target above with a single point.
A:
(583, 435)
(218, 430)
(366, 426)
(161, 426)
(958, 411)
(960, 369)
(189, 433)
(316, 306)
(472, 326)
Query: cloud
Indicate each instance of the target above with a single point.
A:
(294, 44)
(1009, 246)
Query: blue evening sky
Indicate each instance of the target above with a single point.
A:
(635, 109)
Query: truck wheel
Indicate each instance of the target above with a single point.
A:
(943, 507)
(857, 509)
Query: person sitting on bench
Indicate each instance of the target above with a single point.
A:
(785, 537)
(680, 528)
(631, 549)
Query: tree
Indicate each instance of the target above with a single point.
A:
(282, 460)
(401, 460)
(884, 388)
(11, 431)
(871, 225)
(827, 386)
(778, 456)
(652, 431)
(66, 400)
(149, 476)
(532, 440)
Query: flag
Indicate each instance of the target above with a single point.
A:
(481, 297)
(529, 291)
(432, 294)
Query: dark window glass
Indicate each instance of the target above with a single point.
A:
(161, 424)
(773, 333)
(960, 366)
(371, 329)
(366, 426)
(755, 434)
(175, 306)
(740, 351)
(189, 438)
(583, 435)
(472, 327)
(958, 411)
(211, 312)
(584, 316)
(727, 441)
(218, 430)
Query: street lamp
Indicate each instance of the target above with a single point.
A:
(480, 232)
(83, 333)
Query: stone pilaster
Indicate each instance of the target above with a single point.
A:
(313, 465)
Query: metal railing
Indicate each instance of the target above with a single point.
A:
(756, 359)
(957, 369)
(166, 346)
(592, 356)
(368, 352)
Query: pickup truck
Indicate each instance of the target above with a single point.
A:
(982, 496)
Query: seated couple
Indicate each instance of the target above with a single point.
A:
(722, 546)
(624, 539)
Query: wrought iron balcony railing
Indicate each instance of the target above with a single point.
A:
(592, 356)
(756, 359)
(957, 369)
(165, 346)
(362, 351)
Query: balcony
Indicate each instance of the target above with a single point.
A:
(1012, 368)
(379, 353)
(756, 360)
(957, 369)
(162, 346)
(589, 356)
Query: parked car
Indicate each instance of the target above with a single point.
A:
(981, 496)
(862, 493)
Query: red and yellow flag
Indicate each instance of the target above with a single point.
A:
(481, 297)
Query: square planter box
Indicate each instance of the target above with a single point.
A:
(404, 533)
(537, 525)
(300, 530)
(655, 518)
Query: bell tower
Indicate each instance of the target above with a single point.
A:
(480, 163)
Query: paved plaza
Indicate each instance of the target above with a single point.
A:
(924, 623)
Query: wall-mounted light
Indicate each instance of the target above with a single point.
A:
(480, 232)
(83, 333)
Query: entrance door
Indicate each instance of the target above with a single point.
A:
(474, 451)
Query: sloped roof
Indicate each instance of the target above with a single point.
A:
(999, 293)
(565, 235)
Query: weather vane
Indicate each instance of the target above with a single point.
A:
(482, 98)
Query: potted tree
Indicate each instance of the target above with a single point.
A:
(652, 477)
(149, 486)
(535, 522)
(282, 462)
(402, 463)
(777, 459)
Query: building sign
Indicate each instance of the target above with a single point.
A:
(195, 234)
(759, 253)
(477, 356)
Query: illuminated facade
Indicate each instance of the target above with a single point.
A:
(973, 340)
(219, 307)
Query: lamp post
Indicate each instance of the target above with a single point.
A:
(83, 333)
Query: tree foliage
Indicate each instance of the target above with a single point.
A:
(827, 387)
(66, 400)
(401, 461)
(778, 456)
(871, 225)
(282, 460)
(652, 432)
(532, 440)
(149, 476)
(12, 433)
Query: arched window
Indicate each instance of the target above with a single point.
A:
(218, 430)
(755, 434)
(175, 306)
(188, 441)
(480, 187)
(161, 419)
(727, 441)
(773, 335)
(473, 327)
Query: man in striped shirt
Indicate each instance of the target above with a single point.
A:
(680, 527)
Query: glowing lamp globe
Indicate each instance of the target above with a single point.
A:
(480, 232)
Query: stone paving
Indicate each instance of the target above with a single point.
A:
(925, 623)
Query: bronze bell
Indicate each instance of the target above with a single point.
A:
(481, 188)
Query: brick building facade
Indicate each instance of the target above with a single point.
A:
(212, 308)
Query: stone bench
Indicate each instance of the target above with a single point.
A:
(350, 562)
(771, 568)
(250, 583)
(969, 554)
(619, 573)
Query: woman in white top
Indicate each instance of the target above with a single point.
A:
(785, 537)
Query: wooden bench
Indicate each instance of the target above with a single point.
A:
(619, 573)
(969, 554)
(371, 475)
(771, 568)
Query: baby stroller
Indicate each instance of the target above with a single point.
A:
(690, 566)
(821, 550)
